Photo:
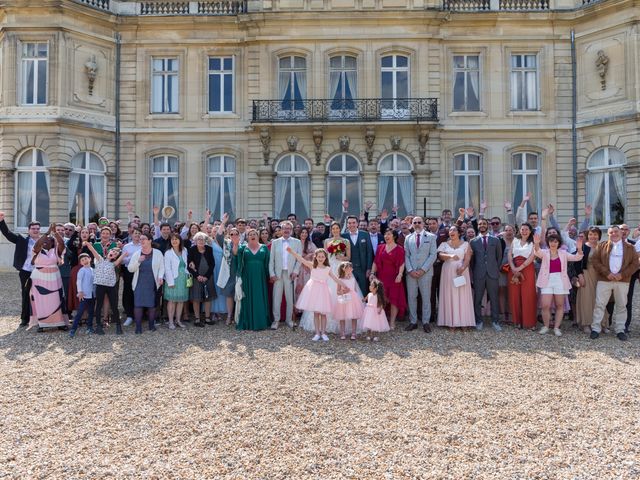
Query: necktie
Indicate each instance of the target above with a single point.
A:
(418, 240)
(484, 241)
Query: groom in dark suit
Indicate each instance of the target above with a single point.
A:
(486, 262)
(361, 252)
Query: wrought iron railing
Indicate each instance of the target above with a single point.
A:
(347, 110)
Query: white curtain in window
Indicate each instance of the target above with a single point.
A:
(301, 80)
(46, 179)
(158, 192)
(334, 81)
(384, 182)
(280, 193)
(405, 186)
(305, 193)
(96, 184)
(231, 188)
(173, 93)
(283, 84)
(74, 183)
(595, 183)
(173, 192)
(351, 80)
(473, 78)
(532, 90)
(618, 181)
(214, 196)
(24, 198)
(157, 94)
(515, 91)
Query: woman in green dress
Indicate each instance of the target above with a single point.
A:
(176, 291)
(253, 267)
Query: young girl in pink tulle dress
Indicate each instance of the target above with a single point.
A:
(315, 296)
(375, 320)
(348, 308)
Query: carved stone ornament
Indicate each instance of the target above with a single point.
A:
(265, 139)
(91, 69)
(370, 138)
(602, 66)
(292, 143)
(344, 142)
(317, 141)
(423, 138)
(395, 142)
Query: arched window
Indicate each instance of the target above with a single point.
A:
(343, 82)
(526, 179)
(395, 184)
(32, 188)
(292, 82)
(343, 183)
(164, 178)
(605, 186)
(292, 187)
(467, 180)
(221, 186)
(86, 188)
(394, 85)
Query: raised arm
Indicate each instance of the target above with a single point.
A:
(298, 257)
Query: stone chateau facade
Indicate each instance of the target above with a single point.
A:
(285, 106)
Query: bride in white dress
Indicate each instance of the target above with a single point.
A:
(339, 251)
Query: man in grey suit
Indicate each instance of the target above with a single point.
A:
(283, 270)
(420, 255)
(485, 264)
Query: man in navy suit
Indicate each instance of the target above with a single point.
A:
(361, 252)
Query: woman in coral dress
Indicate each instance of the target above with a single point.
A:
(388, 266)
(455, 302)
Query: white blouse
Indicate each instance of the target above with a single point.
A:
(519, 249)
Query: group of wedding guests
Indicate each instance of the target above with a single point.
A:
(347, 276)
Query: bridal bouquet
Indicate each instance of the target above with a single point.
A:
(337, 247)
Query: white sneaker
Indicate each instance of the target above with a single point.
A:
(274, 325)
(543, 330)
(128, 322)
(324, 337)
(558, 332)
(315, 338)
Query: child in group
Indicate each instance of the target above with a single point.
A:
(349, 305)
(315, 296)
(84, 288)
(375, 320)
(105, 280)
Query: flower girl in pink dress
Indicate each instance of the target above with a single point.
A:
(315, 296)
(349, 304)
(375, 320)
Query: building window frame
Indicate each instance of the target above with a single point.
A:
(292, 180)
(343, 179)
(522, 75)
(468, 73)
(167, 79)
(399, 180)
(169, 178)
(609, 176)
(40, 67)
(226, 190)
(84, 174)
(521, 171)
(225, 76)
(35, 174)
(466, 176)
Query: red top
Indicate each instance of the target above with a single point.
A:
(555, 266)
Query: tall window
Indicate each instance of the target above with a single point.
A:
(292, 187)
(467, 180)
(221, 186)
(32, 188)
(343, 183)
(524, 82)
(342, 82)
(86, 188)
(34, 73)
(164, 95)
(164, 178)
(292, 82)
(466, 86)
(221, 84)
(394, 85)
(526, 179)
(605, 186)
(395, 184)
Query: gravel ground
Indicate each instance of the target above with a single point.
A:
(216, 403)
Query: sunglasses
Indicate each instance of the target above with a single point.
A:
(417, 223)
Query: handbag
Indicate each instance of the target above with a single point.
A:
(225, 273)
(459, 281)
(189, 280)
(345, 298)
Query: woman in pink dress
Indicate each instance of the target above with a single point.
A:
(375, 320)
(47, 297)
(308, 249)
(456, 302)
(388, 266)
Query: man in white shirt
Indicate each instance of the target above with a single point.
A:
(375, 236)
(283, 270)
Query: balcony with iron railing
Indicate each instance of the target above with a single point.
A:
(368, 110)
